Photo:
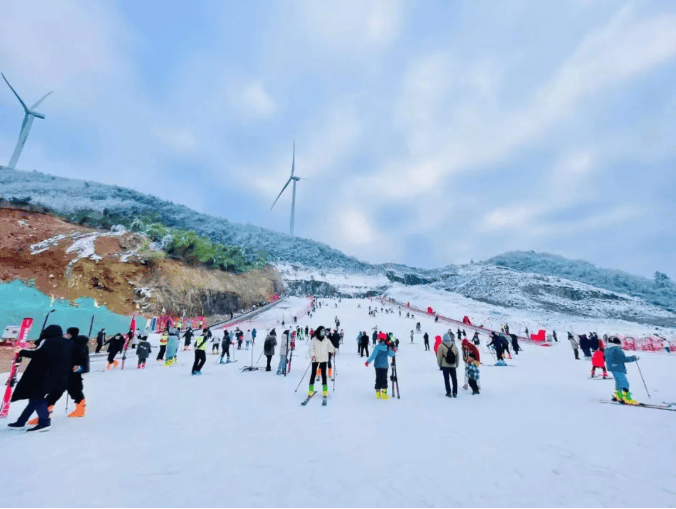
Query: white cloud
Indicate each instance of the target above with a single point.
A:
(252, 101)
(179, 140)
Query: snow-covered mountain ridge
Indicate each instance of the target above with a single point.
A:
(529, 280)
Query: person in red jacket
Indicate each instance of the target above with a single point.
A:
(599, 361)
(437, 342)
(468, 349)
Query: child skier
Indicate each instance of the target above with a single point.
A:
(225, 346)
(319, 353)
(472, 370)
(380, 355)
(616, 360)
(468, 351)
(598, 361)
(143, 351)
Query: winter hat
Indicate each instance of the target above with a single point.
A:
(52, 331)
(382, 336)
(615, 340)
(318, 332)
(73, 331)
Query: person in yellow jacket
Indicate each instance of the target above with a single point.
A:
(320, 348)
(200, 354)
(163, 346)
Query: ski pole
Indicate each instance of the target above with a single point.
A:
(44, 324)
(644, 385)
(301, 380)
(91, 326)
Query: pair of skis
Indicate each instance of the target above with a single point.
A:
(644, 405)
(305, 401)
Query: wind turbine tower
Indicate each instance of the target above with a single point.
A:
(25, 126)
(293, 196)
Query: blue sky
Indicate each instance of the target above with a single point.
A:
(430, 132)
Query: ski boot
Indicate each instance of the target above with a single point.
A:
(143, 366)
(383, 394)
(618, 396)
(627, 399)
(325, 391)
(378, 394)
(330, 372)
(34, 422)
(79, 410)
(311, 390)
(41, 426)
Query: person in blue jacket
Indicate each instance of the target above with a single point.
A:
(615, 362)
(380, 356)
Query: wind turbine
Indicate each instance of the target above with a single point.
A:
(25, 126)
(293, 196)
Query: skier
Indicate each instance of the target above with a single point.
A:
(247, 338)
(214, 344)
(200, 353)
(447, 359)
(374, 337)
(240, 338)
(269, 348)
(437, 342)
(616, 360)
(554, 336)
(359, 335)
(585, 346)
(172, 347)
(426, 338)
(411, 337)
(575, 346)
(380, 355)
(472, 370)
(163, 346)
(496, 343)
(100, 338)
(115, 346)
(143, 351)
(225, 346)
(342, 335)
(253, 336)
(364, 344)
(506, 329)
(283, 350)
(320, 348)
(598, 361)
(188, 338)
(47, 373)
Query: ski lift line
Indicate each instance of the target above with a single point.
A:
(450, 320)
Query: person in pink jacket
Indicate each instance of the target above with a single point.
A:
(437, 342)
(599, 361)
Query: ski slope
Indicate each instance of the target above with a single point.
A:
(536, 436)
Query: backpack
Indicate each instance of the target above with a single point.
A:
(450, 356)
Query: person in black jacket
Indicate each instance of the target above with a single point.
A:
(426, 338)
(225, 346)
(515, 343)
(47, 373)
(100, 338)
(496, 343)
(115, 346)
(187, 336)
(364, 344)
(335, 341)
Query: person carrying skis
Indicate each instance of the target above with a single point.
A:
(143, 351)
(380, 359)
(172, 347)
(599, 361)
(100, 338)
(269, 348)
(283, 352)
(575, 345)
(115, 346)
(426, 338)
(320, 348)
(447, 359)
(188, 338)
(47, 373)
(225, 346)
(200, 353)
(615, 361)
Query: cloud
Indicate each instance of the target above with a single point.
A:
(252, 101)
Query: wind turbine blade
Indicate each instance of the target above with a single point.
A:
(38, 103)
(280, 193)
(293, 161)
(17, 95)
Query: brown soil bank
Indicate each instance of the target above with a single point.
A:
(146, 283)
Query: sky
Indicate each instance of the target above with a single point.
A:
(427, 133)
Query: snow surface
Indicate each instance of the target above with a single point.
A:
(536, 436)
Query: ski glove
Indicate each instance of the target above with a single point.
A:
(366, 364)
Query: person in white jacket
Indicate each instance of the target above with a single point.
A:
(283, 349)
(247, 339)
(319, 353)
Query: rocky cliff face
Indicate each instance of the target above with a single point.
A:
(118, 270)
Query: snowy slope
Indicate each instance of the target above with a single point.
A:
(536, 436)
